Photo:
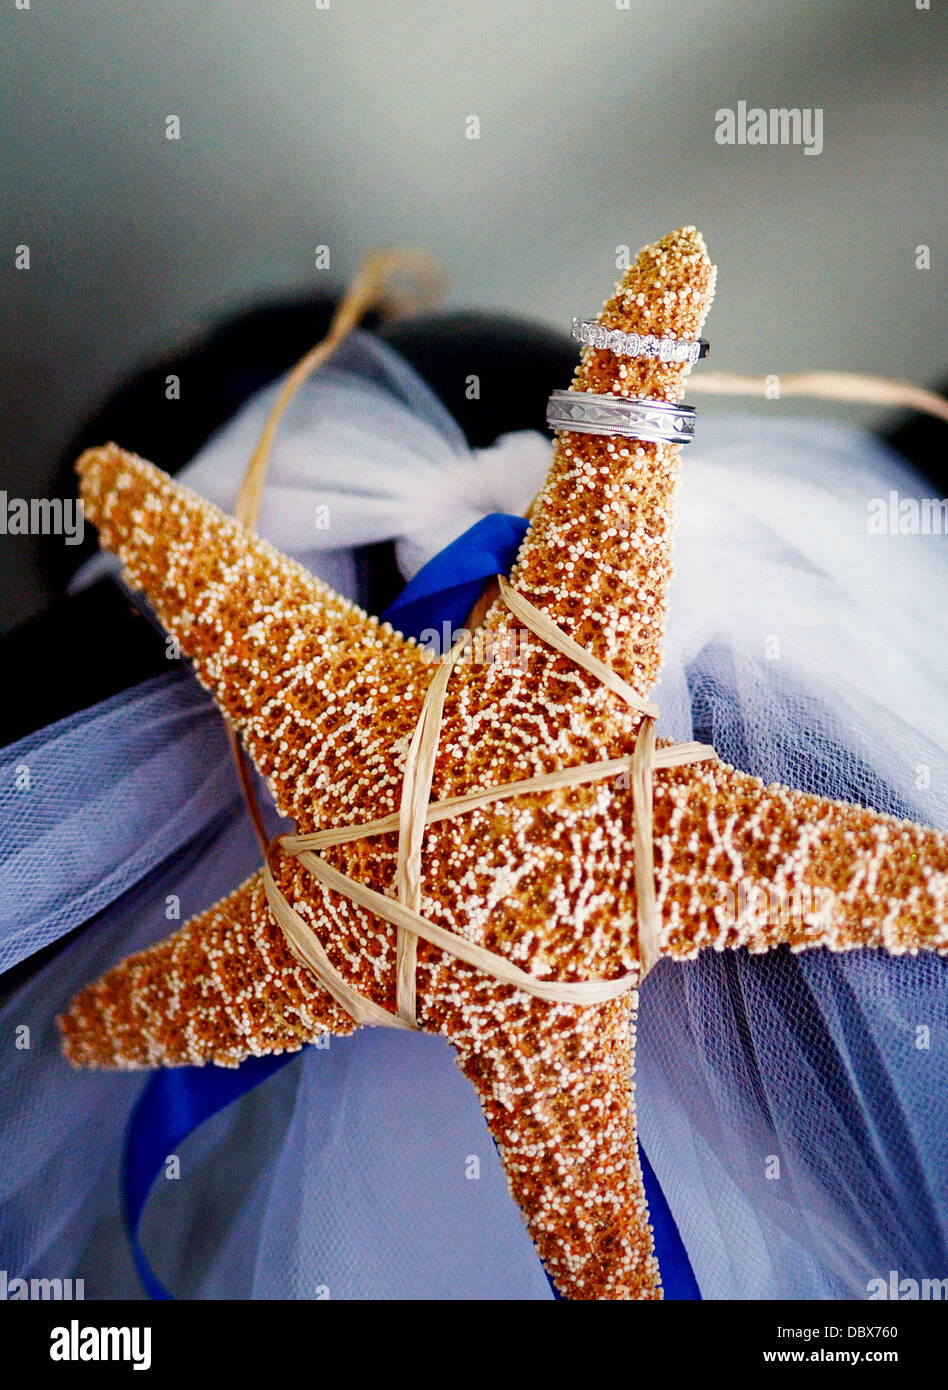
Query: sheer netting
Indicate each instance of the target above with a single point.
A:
(793, 1107)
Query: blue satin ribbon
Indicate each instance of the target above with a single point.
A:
(442, 594)
(176, 1101)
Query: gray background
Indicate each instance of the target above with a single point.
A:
(345, 126)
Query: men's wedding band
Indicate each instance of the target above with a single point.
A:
(639, 345)
(584, 412)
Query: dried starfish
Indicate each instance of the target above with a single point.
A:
(326, 699)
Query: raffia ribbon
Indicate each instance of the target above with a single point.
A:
(416, 812)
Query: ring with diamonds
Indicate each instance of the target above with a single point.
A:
(639, 344)
(586, 412)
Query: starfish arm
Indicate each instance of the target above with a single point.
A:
(596, 560)
(739, 863)
(555, 1084)
(297, 668)
(597, 557)
(223, 988)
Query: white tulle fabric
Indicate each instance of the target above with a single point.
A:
(794, 1107)
(365, 452)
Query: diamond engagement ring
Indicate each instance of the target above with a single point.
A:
(585, 412)
(639, 345)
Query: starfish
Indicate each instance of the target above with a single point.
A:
(326, 698)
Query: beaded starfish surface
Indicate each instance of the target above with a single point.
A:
(326, 700)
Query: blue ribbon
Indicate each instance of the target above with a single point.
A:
(176, 1101)
(172, 1105)
(442, 594)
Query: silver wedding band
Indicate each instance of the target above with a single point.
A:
(585, 412)
(639, 344)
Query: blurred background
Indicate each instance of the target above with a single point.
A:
(345, 124)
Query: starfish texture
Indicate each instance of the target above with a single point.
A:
(326, 699)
